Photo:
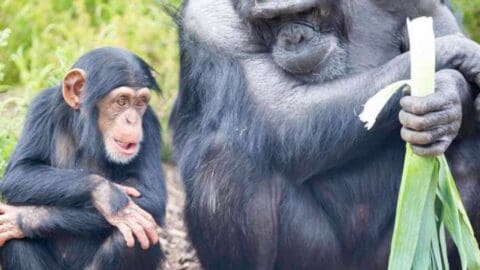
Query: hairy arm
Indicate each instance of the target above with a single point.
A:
(318, 124)
(30, 179)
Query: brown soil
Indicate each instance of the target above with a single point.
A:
(179, 252)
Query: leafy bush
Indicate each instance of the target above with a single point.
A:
(470, 13)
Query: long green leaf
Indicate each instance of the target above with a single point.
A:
(456, 219)
(416, 174)
(427, 235)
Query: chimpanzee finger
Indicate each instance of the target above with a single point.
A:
(139, 233)
(4, 237)
(150, 228)
(427, 137)
(5, 227)
(127, 234)
(144, 213)
(428, 121)
(3, 208)
(130, 191)
(423, 105)
(5, 218)
(431, 150)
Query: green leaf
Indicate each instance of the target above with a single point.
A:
(456, 219)
(428, 227)
(375, 104)
(414, 189)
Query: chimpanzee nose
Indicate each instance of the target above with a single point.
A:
(294, 35)
(131, 117)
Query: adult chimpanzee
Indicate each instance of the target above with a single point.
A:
(86, 174)
(279, 171)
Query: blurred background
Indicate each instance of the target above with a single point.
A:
(40, 40)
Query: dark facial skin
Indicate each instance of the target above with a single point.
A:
(305, 43)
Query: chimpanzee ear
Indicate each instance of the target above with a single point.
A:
(72, 87)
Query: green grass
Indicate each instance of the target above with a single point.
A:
(40, 40)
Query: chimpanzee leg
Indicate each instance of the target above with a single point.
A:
(233, 221)
(307, 238)
(113, 254)
(262, 217)
(28, 255)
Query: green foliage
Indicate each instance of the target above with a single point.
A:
(40, 40)
(470, 11)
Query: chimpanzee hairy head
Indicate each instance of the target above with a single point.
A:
(306, 38)
(107, 91)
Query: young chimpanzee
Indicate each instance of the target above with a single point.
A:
(86, 175)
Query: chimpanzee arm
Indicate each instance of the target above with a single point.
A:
(48, 221)
(147, 177)
(30, 179)
(319, 123)
(304, 128)
(33, 183)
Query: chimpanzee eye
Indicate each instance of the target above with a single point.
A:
(142, 102)
(122, 101)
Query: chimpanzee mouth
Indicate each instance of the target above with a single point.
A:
(126, 148)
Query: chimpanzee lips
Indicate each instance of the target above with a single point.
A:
(126, 148)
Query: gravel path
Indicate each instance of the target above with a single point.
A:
(180, 254)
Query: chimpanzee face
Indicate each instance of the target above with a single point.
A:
(120, 122)
(120, 115)
(306, 36)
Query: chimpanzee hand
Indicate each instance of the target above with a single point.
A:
(129, 220)
(431, 123)
(9, 227)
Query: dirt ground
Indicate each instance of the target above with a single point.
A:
(179, 252)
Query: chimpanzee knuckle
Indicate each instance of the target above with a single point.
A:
(441, 117)
(405, 102)
(138, 231)
(416, 123)
(405, 134)
(152, 227)
(427, 137)
(424, 106)
(415, 105)
(437, 133)
(150, 218)
(435, 151)
(452, 130)
(421, 123)
(446, 93)
(403, 117)
(421, 151)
